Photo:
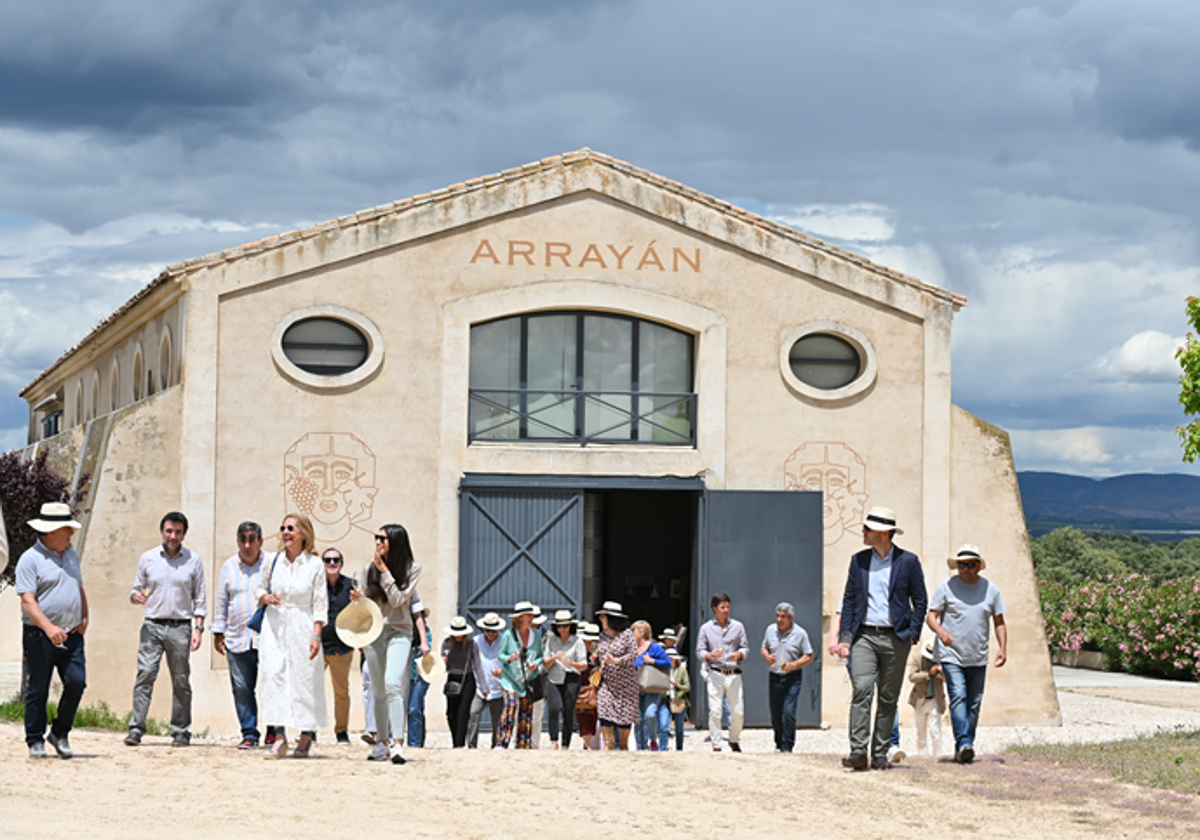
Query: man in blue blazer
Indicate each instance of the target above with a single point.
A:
(883, 608)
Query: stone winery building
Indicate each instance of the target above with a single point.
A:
(571, 381)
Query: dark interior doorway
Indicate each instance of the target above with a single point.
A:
(639, 550)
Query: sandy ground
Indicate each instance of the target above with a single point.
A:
(213, 790)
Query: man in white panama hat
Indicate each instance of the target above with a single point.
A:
(489, 693)
(883, 608)
(958, 613)
(54, 616)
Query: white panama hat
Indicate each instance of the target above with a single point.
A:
(491, 621)
(882, 519)
(360, 623)
(967, 552)
(612, 608)
(458, 627)
(54, 515)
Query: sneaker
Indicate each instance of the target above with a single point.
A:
(734, 746)
(896, 754)
(270, 739)
(966, 754)
(368, 738)
(248, 744)
(37, 750)
(59, 742)
(380, 753)
(343, 739)
(397, 753)
(181, 740)
(133, 738)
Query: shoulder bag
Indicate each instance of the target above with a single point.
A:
(256, 620)
(653, 679)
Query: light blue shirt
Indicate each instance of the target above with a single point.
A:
(236, 602)
(489, 660)
(879, 583)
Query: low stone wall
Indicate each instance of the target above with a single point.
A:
(1093, 660)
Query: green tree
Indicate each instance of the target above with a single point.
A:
(1189, 384)
(1068, 556)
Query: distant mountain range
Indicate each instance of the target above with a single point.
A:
(1161, 506)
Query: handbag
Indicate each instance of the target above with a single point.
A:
(586, 701)
(535, 686)
(454, 684)
(654, 680)
(256, 620)
(678, 704)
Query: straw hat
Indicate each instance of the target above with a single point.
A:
(882, 519)
(668, 635)
(458, 627)
(967, 552)
(360, 623)
(589, 632)
(562, 617)
(538, 617)
(611, 608)
(674, 654)
(491, 621)
(54, 515)
(523, 608)
(431, 668)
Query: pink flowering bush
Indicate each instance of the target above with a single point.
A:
(1139, 627)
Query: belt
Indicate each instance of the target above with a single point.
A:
(170, 622)
(726, 670)
(878, 628)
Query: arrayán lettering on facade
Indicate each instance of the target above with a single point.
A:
(649, 257)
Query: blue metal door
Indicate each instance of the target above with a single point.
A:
(520, 545)
(762, 547)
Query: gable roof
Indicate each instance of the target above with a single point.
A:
(584, 156)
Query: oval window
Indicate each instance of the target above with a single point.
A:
(325, 346)
(825, 361)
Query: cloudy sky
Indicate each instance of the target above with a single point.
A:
(1042, 158)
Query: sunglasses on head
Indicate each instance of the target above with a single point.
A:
(967, 564)
(288, 528)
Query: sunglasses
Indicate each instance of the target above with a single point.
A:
(380, 538)
(332, 561)
(967, 564)
(288, 528)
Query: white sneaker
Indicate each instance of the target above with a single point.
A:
(397, 753)
(896, 755)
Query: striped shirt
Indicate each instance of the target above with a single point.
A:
(236, 602)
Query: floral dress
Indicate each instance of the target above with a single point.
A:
(617, 697)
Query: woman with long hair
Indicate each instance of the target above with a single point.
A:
(390, 579)
(617, 696)
(461, 656)
(566, 657)
(291, 685)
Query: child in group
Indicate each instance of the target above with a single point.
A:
(681, 687)
(928, 699)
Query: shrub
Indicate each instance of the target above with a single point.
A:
(1140, 628)
(24, 487)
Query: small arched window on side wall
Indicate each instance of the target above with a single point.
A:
(827, 361)
(137, 374)
(164, 360)
(94, 408)
(114, 386)
(79, 418)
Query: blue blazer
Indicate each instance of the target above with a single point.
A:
(907, 599)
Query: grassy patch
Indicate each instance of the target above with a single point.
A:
(96, 716)
(1166, 760)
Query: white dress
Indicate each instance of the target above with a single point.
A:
(291, 687)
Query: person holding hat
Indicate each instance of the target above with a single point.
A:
(959, 614)
(566, 657)
(391, 579)
(520, 663)
(681, 688)
(54, 617)
(461, 657)
(883, 608)
(617, 696)
(489, 692)
(928, 699)
(418, 686)
(585, 703)
(538, 713)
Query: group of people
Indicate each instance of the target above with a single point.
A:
(274, 622)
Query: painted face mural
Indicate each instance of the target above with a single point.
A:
(840, 474)
(330, 477)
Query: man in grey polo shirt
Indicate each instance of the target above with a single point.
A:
(54, 614)
(170, 585)
(786, 649)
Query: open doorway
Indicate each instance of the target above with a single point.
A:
(639, 550)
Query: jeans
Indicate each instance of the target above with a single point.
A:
(389, 660)
(175, 640)
(458, 712)
(879, 657)
(495, 708)
(243, 677)
(965, 687)
(784, 693)
(560, 699)
(416, 711)
(679, 720)
(655, 721)
(42, 659)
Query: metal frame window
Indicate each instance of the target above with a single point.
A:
(580, 377)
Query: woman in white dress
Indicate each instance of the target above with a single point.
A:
(390, 579)
(291, 688)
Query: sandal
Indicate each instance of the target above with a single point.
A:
(302, 747)
(279, 749)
